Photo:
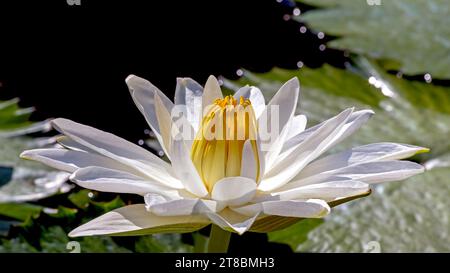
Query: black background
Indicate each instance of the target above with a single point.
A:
(71, 61)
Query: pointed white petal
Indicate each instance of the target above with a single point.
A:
(189, 93)
(136, 220)
(383, 171)
(312, 208)
(118, 149)
(234, 190)
(70, 161)
(108, 180)
(249, 162)
(353, 123)
(181, 207)
(232, 221)
(358, 155)
(143, 94)
(70, 144)
(371, 172)
(165, 124)
(185, 170)
(255, 96)
(283, 103)
(211, 92)
(327, 191)
(289, 166)
(297, 125)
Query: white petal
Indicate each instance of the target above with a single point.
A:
(189, 93)
(183, 207)
(185, 169)
(108, 180)
(211, 92)
(383, 171)
(289, 166)
(118, 149)
(327, 191)
(358, 155)
(312, 208)
(297, 125)
(70, 161)
(353, 123)
(232, 221)
(143, 94)
(285, 100)
(249, 162)
(136, 220)
(70, 144)
(234, 191)
(255, 96)
(371, 172)
(165, 124)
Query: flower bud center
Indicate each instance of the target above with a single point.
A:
(217, 148)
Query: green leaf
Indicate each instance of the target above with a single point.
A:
(162, 243)
(24, 180)
(117, 202)
(81, 199)
(408, 216)
(296, 234)
(63, 213)
(20, 211)
(16, 245)
(414, 33)
(14, 120)
(54, 240)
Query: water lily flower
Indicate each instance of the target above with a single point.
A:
(231, 182)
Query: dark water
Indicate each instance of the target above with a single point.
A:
(72, 61)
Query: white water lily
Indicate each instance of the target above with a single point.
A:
(233, 184)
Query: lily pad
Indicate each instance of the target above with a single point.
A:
(23, 180)
(14, 120)
(414, 33)
(162, 243)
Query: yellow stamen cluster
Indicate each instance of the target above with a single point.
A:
(217, 148)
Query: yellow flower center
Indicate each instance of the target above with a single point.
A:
(217, 148)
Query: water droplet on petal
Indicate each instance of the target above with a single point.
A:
(303, 29)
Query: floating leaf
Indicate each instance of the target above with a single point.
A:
(81, 199)
(296, 234)
(415, 33)
(55, 240)
(20, 211)
(162, 243)
(23, 180)
(14, 120)
(117, 202)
